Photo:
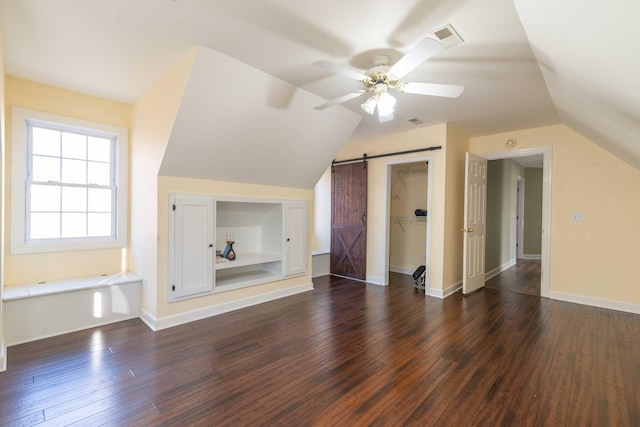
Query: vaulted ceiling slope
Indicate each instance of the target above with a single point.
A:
(236, 123)
(523, 63)
(589, 54)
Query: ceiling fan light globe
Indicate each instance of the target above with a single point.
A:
(386, 104)
(369, 106)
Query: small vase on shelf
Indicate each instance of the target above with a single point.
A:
(228, 252)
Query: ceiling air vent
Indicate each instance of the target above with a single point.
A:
(416, 121)
(447, 35)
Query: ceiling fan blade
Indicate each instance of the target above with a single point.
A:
(340, 100)
(433, 89)
(341, 69)
(385, 118)
(416, 56)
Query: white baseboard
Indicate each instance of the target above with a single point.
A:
(373, 280)
(442, 294)
(402, 270)
(596, 302)
(498, 270)
(157, 324)
(531, 256)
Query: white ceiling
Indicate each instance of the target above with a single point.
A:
(571, 61)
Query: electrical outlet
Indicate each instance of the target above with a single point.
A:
(577, 217)
(231, 236)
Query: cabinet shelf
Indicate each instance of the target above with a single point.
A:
(244, 279)
(244, 260)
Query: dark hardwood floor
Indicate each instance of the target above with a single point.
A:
(345, 354)
(523, 278)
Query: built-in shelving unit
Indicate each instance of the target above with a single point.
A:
(269, 241)
(256, 228)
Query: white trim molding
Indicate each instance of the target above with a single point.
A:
(596, 302)
(493, 273)
(3, 355)
(531, 256)
(157, 324)
(373, 280)
(442, 294)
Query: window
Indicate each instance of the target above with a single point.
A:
(69, 187)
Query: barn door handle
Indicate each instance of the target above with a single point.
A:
(364, 218)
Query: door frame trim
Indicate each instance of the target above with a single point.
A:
(387, 217)
(546, 205)
(520, 189)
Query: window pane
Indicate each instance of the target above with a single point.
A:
(46, 141)
(74, 146)
(45, 226)
(99, 224)
(99, 173)
(100, 149)
(46, 169)
(74, 199)
(74, 171)
(99, 200)
(45, 198)
(74, 225)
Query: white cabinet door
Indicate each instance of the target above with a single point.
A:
(191, 246)
(295, 238)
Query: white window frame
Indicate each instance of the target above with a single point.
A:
(19, 159)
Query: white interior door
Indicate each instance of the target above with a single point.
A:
(475, 224)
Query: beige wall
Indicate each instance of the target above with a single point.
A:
(57, 265)
(595, 258)
(456, 146)
(502, 181)
(153, 117)
(408, 240)
(168, 185)
(532, 211)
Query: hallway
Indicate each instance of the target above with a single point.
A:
(522, 278)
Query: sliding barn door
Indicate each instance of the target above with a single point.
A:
(349, 220)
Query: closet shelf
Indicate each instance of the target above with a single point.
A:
(408, 219)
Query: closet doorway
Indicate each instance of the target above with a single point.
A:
(408, 221)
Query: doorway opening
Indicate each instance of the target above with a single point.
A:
(516, 208)
(408, 223)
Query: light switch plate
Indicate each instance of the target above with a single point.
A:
(577, 217)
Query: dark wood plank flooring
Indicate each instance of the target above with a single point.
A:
(523, 278)
(345, 354)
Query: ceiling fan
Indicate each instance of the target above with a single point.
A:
(382, 77)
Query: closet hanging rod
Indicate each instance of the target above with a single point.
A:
(365, 157)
